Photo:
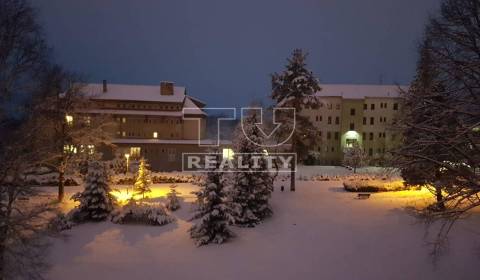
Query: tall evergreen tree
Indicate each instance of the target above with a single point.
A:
(296, 88)
(420, 151)
(96, 201)
(144, 179)
(251, 188)
(212, 211)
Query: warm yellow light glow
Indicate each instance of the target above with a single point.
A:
(227, 153)
(135, 152)
(352, 134)
(124, 195)
(69, 119)
(70, 149)
(155, 134)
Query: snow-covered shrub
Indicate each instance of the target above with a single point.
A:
(96, 201)
(143, 180)
(212, 212)
(61, 222)
(173, 203)
(141, 213)
(373, 184)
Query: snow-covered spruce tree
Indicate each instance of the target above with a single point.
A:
(252, 188)
(143, 180)
(296, 88)
(173, 203)
(96, 201)
(354, 157)
(212, 211)
(441, 144)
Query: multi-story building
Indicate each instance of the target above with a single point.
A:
(355, 113)
(156, 122)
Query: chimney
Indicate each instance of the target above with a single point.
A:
(104, 86)
(166, 88)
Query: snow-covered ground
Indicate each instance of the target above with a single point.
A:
(318, 232)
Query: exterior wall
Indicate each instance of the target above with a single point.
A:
(354, 120)
(327, 120)
(161, 156)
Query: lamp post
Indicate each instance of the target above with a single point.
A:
(127, 157)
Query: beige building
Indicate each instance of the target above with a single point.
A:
(354, 113)
(156, 122)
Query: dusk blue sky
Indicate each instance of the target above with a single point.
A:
(224, 51)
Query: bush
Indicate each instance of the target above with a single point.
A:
(61, 222)
(373, 185)
(141, 213)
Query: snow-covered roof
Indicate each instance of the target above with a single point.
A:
(133, 93)
(360, 91)
(190, 108)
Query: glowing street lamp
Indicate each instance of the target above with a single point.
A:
(127, 157)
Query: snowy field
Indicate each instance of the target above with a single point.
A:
(318, 232)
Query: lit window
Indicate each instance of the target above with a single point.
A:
(155, 134)
(135, 152)
(69, 119)
(124, 120)
(91, 149)
(227, 153)
(69, 149)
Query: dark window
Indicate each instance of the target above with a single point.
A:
(336, 135)
(316, 118)
(364, 120)
(352, 126)
(379, 135)
(370, 152)
(365, 106)
(372, 106)
(329, 120)
(364, 136)
(395, 106)
(321, 118)
(385, 106)
(371, 135)
(352, 112)
(372, 120)
(337, 120)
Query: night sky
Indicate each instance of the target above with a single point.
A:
(224, 51)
